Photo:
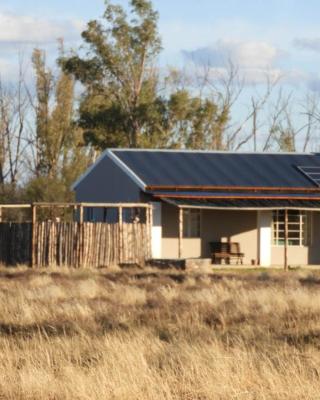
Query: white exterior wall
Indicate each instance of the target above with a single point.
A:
(252, 229)
(264, 234)
(156, 231)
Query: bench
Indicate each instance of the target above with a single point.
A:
(226, 251)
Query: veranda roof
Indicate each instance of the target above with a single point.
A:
(249, 201)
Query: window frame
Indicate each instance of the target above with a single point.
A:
(190, 231)
(303, 228)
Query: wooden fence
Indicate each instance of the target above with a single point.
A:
(15, 243)
(86, 244)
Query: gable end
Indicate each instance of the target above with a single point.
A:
(108, 180)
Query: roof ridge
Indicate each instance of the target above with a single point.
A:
(212, 151)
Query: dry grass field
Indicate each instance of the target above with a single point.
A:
(149, 334)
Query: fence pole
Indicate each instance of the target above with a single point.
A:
(74, 213)
(81, 214)
(33, 235)
(286, 240)
(81, 236)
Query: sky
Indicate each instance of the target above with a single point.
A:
(274, 37)
(278, 39)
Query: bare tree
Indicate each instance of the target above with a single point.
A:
(14, 108)
(253, 121)
(228, 88)
(292, 124)
(311, 111)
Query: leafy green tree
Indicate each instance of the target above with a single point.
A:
(196, 122)
(59, 154)
(118, 74)
(122, 104)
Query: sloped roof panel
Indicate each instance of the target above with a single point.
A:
(193, 168)
(254, 204)
(234, 195)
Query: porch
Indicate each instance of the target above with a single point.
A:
(265, 236)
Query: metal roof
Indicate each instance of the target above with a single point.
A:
(234, 195)
(245, 204)
(223, 169)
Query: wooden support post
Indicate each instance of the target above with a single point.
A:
(150, 210)
(180, 231)
(120, 234)
(81, 214)
(286, 240)
(33, 235)
(0, 214)
(147, 215)
(81, 261)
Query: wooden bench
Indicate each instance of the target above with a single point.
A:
(226, 251)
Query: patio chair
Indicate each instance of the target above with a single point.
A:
(226, 251)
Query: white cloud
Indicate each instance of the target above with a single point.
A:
(245, 54)
(19, 34)
(312, 44)
(256, 60)
(24, 29)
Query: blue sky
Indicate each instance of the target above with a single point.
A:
(277, 36)
(282, 36)
(274, 38)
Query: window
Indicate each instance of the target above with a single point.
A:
(191, 223)
(298, 228)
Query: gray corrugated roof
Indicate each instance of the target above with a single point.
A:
(185, 168)
(255, 204)
(234, 195)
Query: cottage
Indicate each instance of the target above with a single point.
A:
(267, 203)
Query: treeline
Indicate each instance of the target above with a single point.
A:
(114, 93)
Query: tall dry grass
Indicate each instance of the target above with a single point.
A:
(159, 335)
